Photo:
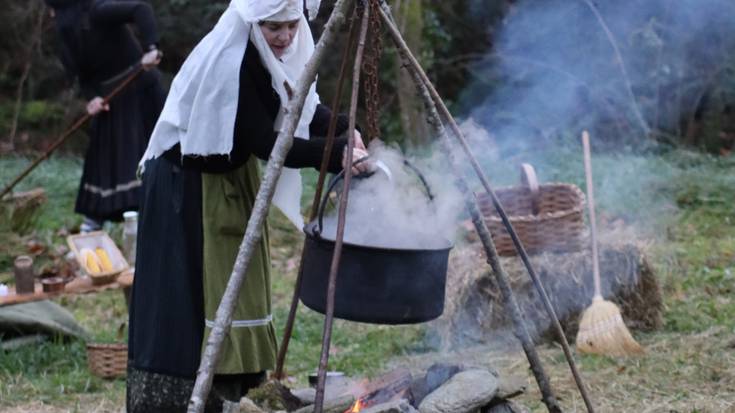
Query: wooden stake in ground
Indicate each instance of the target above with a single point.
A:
(254, 229)
(602, 330)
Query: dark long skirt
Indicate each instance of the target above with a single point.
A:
(167, 304)
(118, 139)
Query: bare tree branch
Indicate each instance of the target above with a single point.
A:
(35, 40)
(621, 64)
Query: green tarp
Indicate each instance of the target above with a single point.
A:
(40, 317)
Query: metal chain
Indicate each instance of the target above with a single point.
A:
(370, 66)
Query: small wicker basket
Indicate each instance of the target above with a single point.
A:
(547, 217)
(108, 360)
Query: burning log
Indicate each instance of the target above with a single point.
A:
(338, 405)
(392, 386)
(475, 312)
(395, 406)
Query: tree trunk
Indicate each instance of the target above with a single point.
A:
(409, 15)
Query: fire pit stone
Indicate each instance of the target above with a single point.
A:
(466, 391)
(436, 375)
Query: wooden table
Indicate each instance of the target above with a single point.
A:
(79, 285)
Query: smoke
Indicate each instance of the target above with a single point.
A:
(401, 211)
(632, 72)
(555, 69)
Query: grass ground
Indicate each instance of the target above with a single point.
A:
(686, 199)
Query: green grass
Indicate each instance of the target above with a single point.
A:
(698, 268)
(682, 201)
(55, 372)
(59, 176)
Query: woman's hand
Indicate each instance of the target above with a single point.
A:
(96, 106)
(358, 152)
(364, 166)
(359, 144)
(151, 59)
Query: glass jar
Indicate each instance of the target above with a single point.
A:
(130, 235)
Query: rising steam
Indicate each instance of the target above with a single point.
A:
(400, 211)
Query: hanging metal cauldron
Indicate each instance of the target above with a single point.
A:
(374, 284)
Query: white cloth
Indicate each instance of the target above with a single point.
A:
(200, 110)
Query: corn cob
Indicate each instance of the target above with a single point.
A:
(105, 262)
(90, 261)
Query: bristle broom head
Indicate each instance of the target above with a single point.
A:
(602, 331)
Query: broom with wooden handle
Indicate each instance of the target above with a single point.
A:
(602, 330)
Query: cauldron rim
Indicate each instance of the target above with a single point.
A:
(309, 231)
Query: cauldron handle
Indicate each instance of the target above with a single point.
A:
(529, 180)
(322, 205)
(317, 231)
(421, 178)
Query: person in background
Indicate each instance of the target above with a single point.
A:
(200, 179)
(98, 48)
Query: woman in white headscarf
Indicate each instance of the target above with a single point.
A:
(224, 111)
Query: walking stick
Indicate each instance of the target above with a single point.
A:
(75, 127)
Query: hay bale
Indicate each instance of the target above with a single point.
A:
(474, 312)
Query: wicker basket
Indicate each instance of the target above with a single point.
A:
(108, 360)
(547, 217)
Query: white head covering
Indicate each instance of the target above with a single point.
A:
(202, 104)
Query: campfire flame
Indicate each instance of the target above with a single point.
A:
(358, 406)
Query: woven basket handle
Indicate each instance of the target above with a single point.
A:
(121, 331)
(529, 180)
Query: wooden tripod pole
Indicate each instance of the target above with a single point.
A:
(493, 260)
(254, 229)
(73, 128)
(341, 215)
(424, 83)
(288, 330)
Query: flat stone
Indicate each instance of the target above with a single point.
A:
(465, 392)
(396, 406)
(435, 376)
(511, 386)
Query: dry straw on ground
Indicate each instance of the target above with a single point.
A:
(474, 312)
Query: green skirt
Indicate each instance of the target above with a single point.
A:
(227, 202)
